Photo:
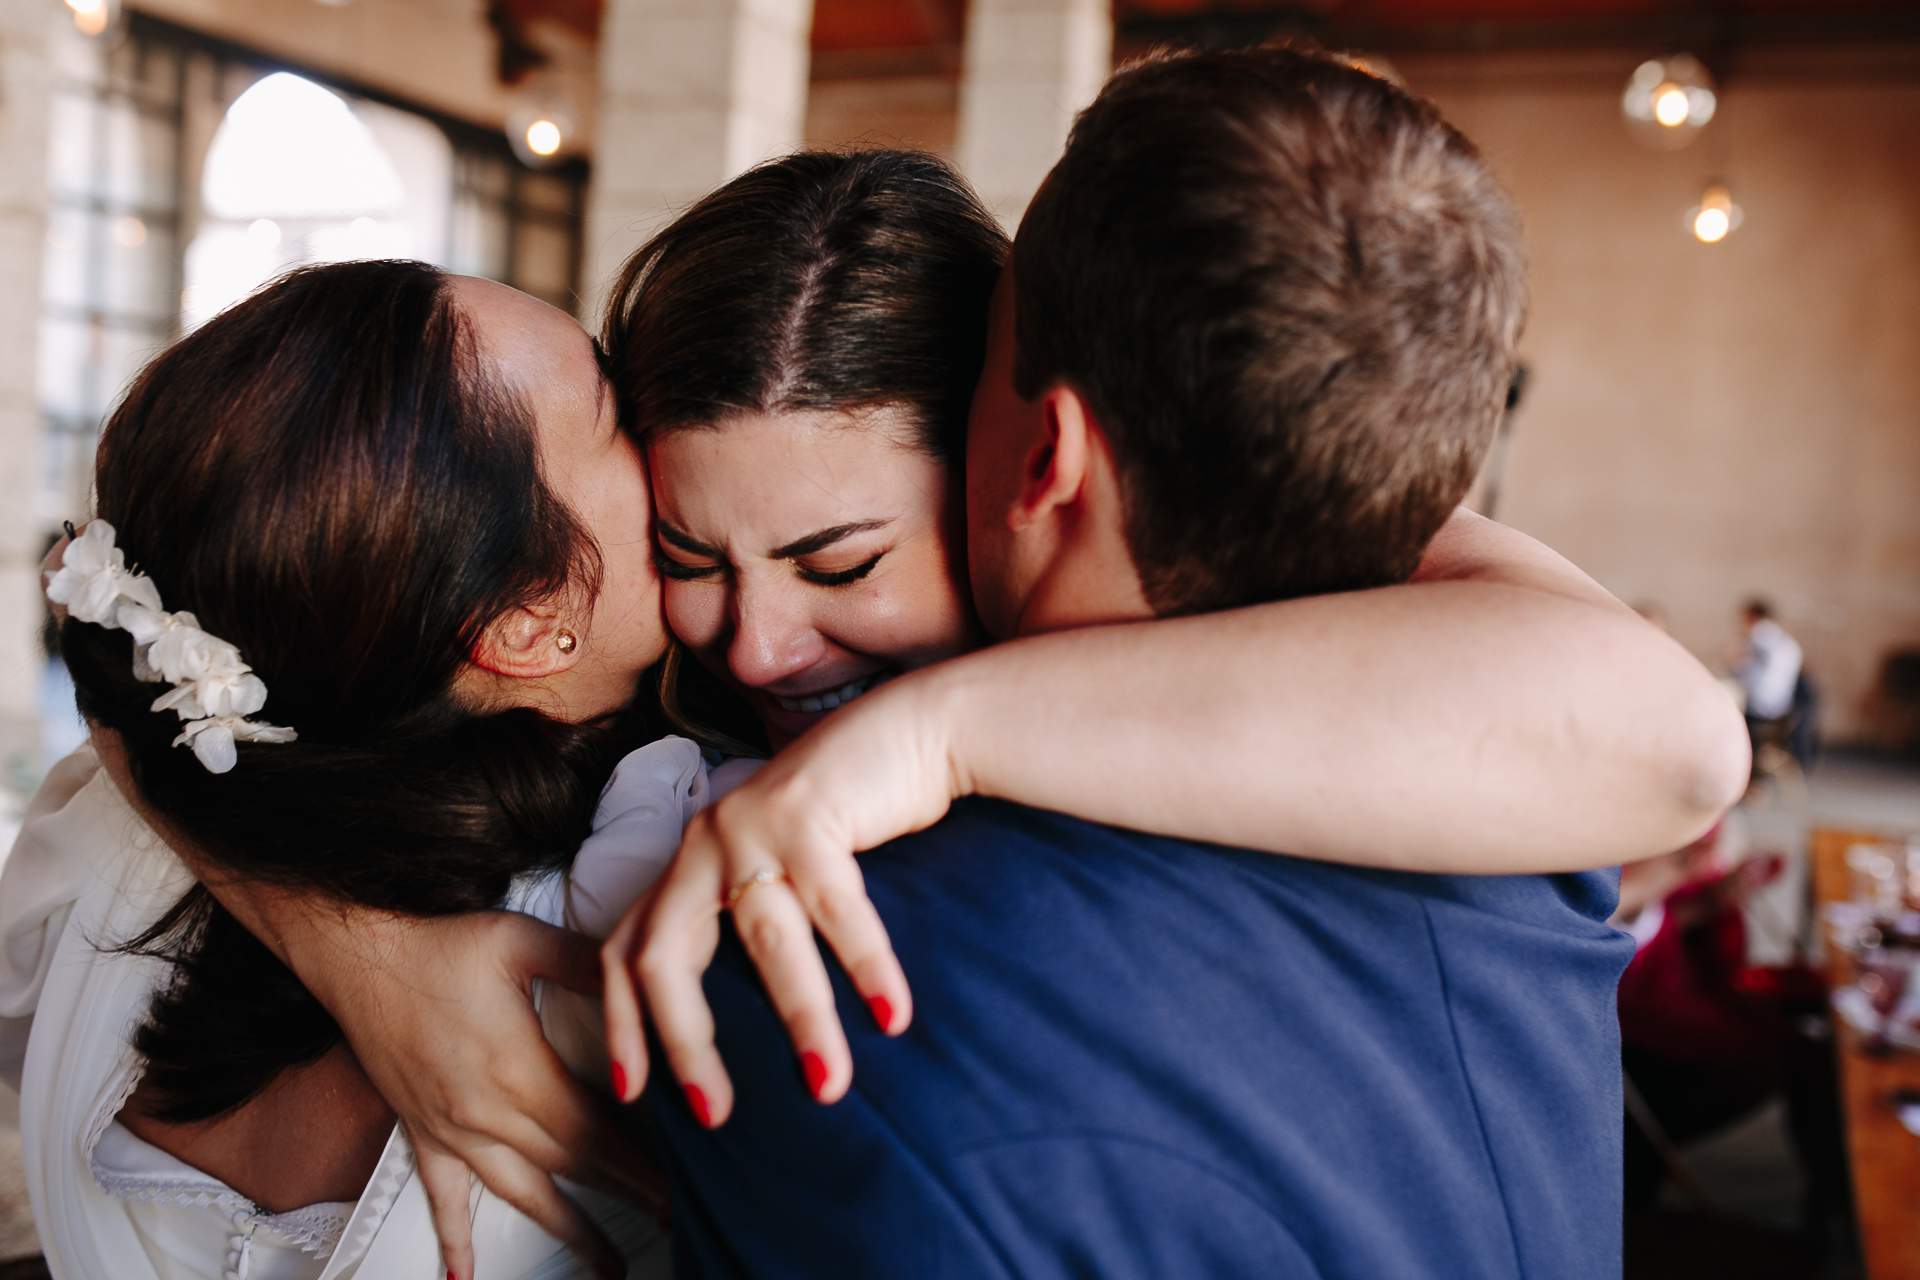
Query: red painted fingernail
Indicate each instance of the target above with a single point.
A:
(619, 1082)
(882, 1011)
(698, 1102)
(816, 1069)
(450, 1275)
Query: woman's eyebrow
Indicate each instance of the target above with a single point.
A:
(824, 538)
(684, 541)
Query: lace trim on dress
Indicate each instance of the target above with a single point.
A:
(314, 1229)
(125, 1081)
(137, 1188)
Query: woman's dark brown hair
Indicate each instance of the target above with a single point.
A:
(327, 477)
(823, 280)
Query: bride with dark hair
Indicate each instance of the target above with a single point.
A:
(380, 531)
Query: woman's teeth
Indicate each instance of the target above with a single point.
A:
(831, 698)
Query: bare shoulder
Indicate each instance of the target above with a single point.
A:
(312, 1136)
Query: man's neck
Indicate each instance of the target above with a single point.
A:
(1087, 587)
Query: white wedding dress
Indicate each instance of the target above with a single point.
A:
(86, 874)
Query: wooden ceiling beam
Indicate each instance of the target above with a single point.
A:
(1234, 25)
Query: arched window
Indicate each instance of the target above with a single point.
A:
(297, 174)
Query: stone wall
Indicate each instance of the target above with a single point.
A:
(1708, 422)
(918, 110)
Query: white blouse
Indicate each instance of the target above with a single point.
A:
(86, 873)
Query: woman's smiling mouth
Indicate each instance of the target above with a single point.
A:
(832, 697)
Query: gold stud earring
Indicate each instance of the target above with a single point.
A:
(566, 641)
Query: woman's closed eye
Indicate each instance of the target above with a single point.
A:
(837, 577)
(680, 570)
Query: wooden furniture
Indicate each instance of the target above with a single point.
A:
(1884, 1156)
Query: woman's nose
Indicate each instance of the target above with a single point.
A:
(773, 635)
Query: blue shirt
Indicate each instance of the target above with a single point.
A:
(1142, 1057)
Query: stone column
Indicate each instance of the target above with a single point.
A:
(24, 84)
(1028, 68)
(692, 92)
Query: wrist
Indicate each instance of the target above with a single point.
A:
(939, 712)
(321, 938)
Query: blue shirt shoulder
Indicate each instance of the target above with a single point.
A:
(1138, 1056)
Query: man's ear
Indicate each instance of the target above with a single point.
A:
(1055, 471)
(527, 644)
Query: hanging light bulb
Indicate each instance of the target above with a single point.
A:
(539, 135)
(544, 137)
(94, 17)
(1670, 105)
(540, 126)
(1668, 101)
(1715, 217)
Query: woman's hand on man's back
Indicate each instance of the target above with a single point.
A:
(779, 853)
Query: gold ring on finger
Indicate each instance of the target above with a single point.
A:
(759, 879)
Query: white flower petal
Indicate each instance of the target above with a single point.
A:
(139, 588)
(93, 579)
(60, 587)
(213, 689)
(213, 739)
(248, 694)
(231, 695)
(188, 653)
(214, 746)
(94, 550)
(184, 699)
(142, 623)
(94, 597)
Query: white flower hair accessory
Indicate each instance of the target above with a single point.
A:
(213, 690)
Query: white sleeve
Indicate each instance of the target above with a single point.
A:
(46, 872)
(652, 795)
(636, 830)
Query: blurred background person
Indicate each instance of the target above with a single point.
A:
(1708, 1039)
(1781, 705)
(1768, 665)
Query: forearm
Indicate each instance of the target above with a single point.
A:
(303, 930)
(1499, 714)
(320, 938)
(1474, 723)
(274, 915)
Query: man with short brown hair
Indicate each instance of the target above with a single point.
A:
(1289, 292)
